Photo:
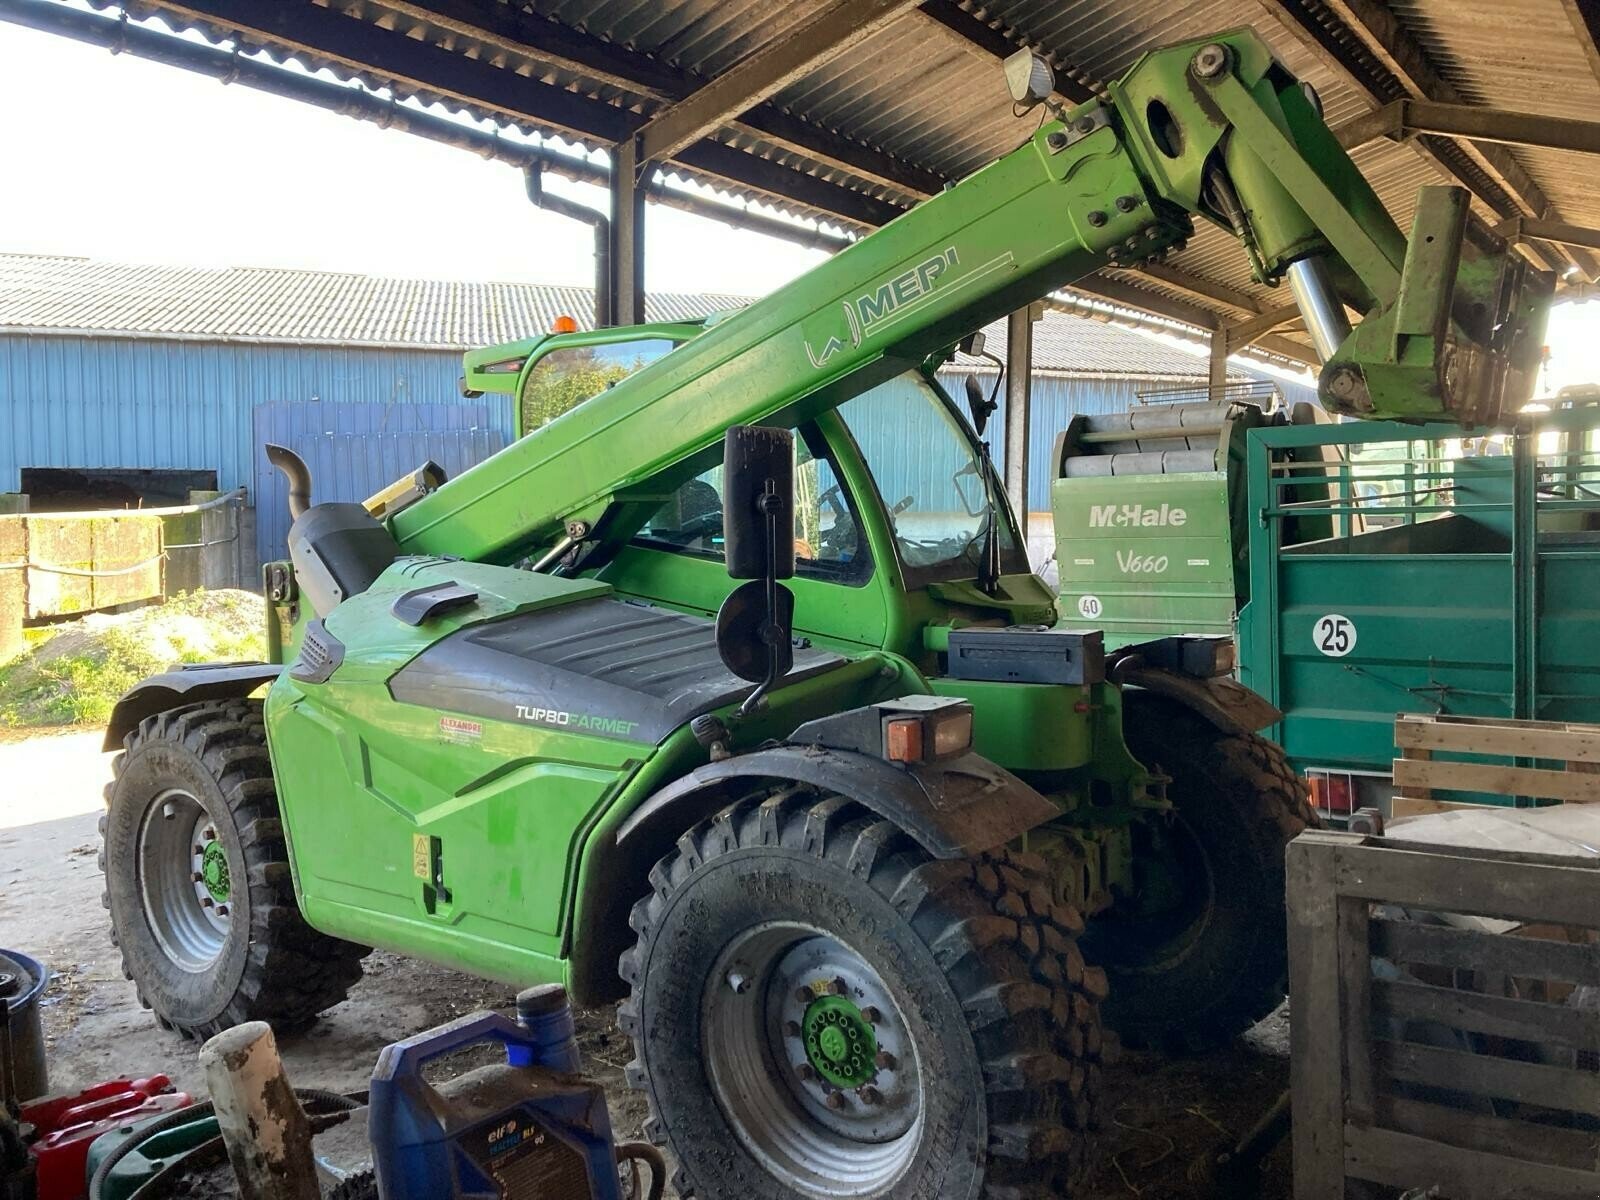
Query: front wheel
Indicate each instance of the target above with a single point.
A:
(819, 1009)
(1199, 952)
(198, 880)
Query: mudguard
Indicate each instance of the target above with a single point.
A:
(186, 685)
(953, 809)
(1226, 703)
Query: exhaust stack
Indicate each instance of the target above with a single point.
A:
(296, 473)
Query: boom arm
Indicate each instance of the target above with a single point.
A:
(1214, 129)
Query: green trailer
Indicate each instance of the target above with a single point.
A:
(1462, 577)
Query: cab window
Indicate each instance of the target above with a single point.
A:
(826, 540)
(565, 378)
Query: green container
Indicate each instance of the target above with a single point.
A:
(153, 1154)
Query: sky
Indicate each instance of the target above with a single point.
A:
(134, 161)
(117, 158)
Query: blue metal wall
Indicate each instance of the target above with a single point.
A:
(116, 402)
(355, 450)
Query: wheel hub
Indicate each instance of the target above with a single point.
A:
(185, 882)
(813, 1062)
(214, 871)
(841, 1045)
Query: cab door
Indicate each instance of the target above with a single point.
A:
(677, 558)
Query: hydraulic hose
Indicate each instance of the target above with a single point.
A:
(311, 1097)
(296, 473)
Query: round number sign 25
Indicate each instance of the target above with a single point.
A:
(1334, 635)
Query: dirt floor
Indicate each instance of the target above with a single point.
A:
(1163, 1113)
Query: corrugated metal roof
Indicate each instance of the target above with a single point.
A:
(55, 295)
(918, 98)
(256, 304)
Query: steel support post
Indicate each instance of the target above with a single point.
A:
(1019, 388)
(1219, 363)
(629, 182)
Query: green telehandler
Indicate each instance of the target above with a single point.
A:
(871, 847)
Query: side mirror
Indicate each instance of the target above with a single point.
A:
(758, 502)
(1029, 78)
(755, 625)
(979, 405)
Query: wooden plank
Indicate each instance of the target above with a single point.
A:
(1511, 886)
(1316, 1036)
(1529, 958)
(1403, 1160)
(1526, 1140)
(1575, 787)
(1565, 742)
(1500, 1016)
(1416, 806)
(1353, 941)
(1485, 1075)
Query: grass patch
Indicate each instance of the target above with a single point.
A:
(75, 673)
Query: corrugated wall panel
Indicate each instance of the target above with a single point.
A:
(117, 402)
(354, 450)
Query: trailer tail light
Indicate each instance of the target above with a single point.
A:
(1333, 793)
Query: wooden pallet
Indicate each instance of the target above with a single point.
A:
(1411, 1027)
(1418, 773)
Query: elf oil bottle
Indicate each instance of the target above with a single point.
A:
(524, 1128)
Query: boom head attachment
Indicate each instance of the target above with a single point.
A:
(1461, 341)
(1451, 321)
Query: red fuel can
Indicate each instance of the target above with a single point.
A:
(65, 1126)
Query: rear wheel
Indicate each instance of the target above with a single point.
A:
(198, 881)
(1200, 952)
(819, 1009)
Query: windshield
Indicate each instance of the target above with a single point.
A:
(930, 476)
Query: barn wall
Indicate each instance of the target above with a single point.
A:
(80, 402)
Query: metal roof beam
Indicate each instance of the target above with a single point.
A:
(1523, 229)
(1392, 45)
(1001, 40)
(1125, 295)
(793, 55)
(413, 65)
(535, 36)
(1406, 118)
(1205, 290)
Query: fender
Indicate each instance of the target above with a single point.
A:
(1226, 703)
(952, 809)
(186, 685)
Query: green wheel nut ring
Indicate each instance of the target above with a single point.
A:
(214, 872)
(841, 1044)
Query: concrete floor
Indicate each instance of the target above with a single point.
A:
(1163, 1113)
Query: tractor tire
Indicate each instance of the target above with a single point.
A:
(198, 881)
(818, 1007)
(1205, 968)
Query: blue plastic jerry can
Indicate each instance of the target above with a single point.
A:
(527, 1128)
